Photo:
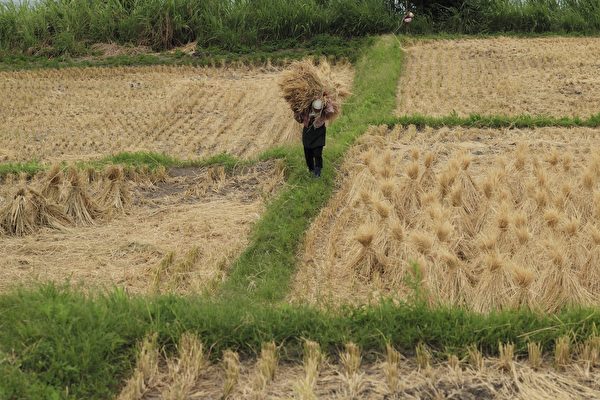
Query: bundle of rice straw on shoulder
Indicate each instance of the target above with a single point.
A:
(303, 83)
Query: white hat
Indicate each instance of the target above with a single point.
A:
(317, 104)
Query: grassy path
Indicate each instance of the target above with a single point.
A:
(264, 270)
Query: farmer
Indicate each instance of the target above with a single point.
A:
(313, 133)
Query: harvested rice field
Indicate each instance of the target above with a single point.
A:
(190, 375)
(494, 219)
(501, 76)
(187, 112)
(147, 232)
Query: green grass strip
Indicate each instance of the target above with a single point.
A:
(30, 168)
(64, 338)
(493, 121)
(155, 160)
(264, 270)
(140, 159)
(20, 385)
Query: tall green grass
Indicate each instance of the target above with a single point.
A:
(503, 16)
(66, 26)
(55, 27)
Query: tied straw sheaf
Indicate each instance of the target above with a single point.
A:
(304, 82)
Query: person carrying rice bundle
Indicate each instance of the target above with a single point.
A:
(314, 101)
(314, 132)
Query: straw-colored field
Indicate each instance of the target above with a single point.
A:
(495, 219)
(189, 375)
(187, 112)
(179, 235)
(502, 76)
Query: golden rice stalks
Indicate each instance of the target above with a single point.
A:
(303, 82)
(161, 270)
(366, 234)
(562, 351)
(453, 362)
(523, 278)
(52, 183)
(479, 234)
(231, 365)
(146, 371)
(28, 212)
(313, 357)
(115, 196)
(391, 368)
(47, 214)
(78, 204)
(351, 359)
(267, 363)
(495, 284)
(476, 358)
(305, 388)
(188, 367)
(589, 352)
(470, 196)
(266, 367)
(559, 285)
(506, 356)
(423, 356)
(354, 380)
(91, 174)
(534, 353)
(456, 286)
(16, 218)
(158, 175)
(178, 274)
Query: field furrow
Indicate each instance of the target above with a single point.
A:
(187, 112)
(502, 76)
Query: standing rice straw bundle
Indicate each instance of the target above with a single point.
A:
(29, 211)
(78, 204)
(303, 83)
(115, 195)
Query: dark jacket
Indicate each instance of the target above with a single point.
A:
(313, 137)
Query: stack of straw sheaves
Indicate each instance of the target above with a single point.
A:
(303, 83)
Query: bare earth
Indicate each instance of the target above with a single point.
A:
(502, 76)
(177, 236)
(495, 219)
(188, 112)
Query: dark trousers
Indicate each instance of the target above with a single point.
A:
(314, 158)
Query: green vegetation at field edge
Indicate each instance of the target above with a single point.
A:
(140, 159)
(63, 338)
(59, 28)
(29, 168)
